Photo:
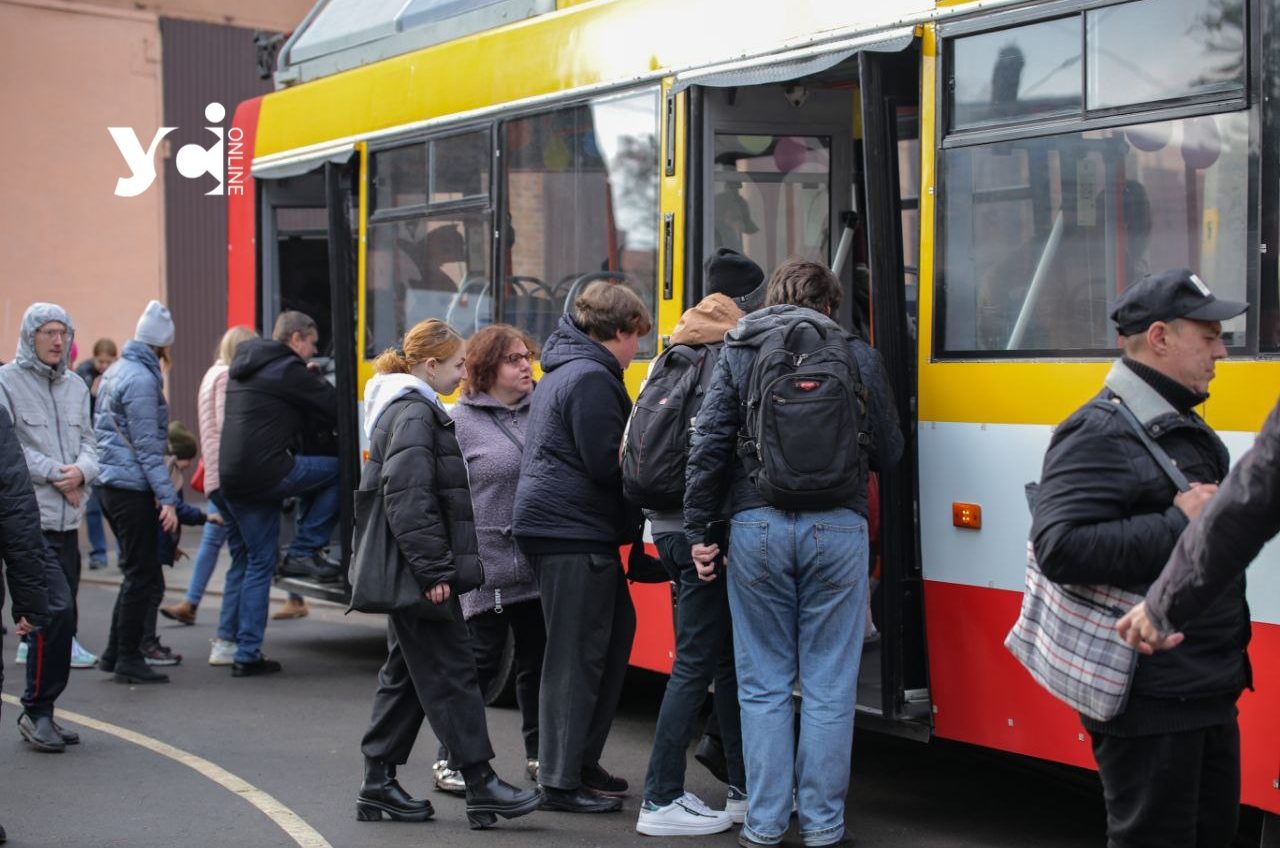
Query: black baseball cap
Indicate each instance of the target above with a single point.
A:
(1169, 295)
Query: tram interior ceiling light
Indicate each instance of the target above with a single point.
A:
(796, 95)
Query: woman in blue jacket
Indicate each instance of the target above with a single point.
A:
(132, 429)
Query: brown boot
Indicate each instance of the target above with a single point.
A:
(183, 612)
(293, 608)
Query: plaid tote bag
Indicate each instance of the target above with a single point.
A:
(1065, 635)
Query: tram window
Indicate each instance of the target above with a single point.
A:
(1030, 71)
(581, 195)
(460, 167)
(773, 197)
(400, 176)
(1041, 235)
(1199, 49)
(430, 267)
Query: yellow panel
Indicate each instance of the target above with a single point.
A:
(579, 45)
(364, 370)
(672, 200)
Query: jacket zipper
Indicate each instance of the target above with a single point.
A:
(62, 450)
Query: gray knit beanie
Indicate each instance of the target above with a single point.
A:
(155, 327)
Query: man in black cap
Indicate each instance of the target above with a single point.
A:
(1108, 514)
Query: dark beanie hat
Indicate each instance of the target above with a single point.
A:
(182, 443)
(730, 273)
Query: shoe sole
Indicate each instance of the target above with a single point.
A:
(40, 746)
(132, 680)
(221, 662)
(163, 663)
(460, 792)
(556, 807)
(85, 664)
(660, 829)
(372, 811)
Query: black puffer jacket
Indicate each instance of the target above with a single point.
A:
(273, 403)
(1105, 514)
(414, 457)
(1225, 537)
(569, 498)
(21, 542)
(713, 460)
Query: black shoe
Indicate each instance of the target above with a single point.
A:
(489, 796)
(580, 800)
(40, 732)
(710, 752)
(137, 671)
(595, 777)
(381, 793)
(69, 737)
(153, 653)
(312, 566)
(261, 665)
(4, 837)
(107, 664)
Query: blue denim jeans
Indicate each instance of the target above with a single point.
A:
(798, 593)
(704, 652)
(314, 480)
(229, 617)
(93, 523)
(211, 542)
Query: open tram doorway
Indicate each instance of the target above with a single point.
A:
(306, 234)
(826, 166)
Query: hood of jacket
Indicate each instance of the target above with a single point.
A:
(567, 343)
(755, 325)
(706, 323)
(384, 389)
(484, 400)
(36, 316)
(255, 354)
(140, 352)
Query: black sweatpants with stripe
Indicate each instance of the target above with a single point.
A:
(49, 648)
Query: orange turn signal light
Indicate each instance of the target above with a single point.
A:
(966, 515)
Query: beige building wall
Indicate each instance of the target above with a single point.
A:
(68, 71)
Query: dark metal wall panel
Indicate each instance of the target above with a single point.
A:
(203, 64)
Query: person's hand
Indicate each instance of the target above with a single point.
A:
(704, 560)
(1138, 630)
(168, 518)
(23, 627)
(1193, 500)
(72, 497)
(216, 518)
(179, 554)
(72, 476)
(438, 593)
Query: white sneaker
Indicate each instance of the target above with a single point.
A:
(735, 804)
(21, 657)
(81, 658)
(685, 816)
(222, 653)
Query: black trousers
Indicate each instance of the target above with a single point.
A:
(488, 636)
(429, 673)
(153, 608)
(135, 521)
(1173, 790)
(49, 649)
(590, 625)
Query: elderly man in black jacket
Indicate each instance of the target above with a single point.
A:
(1215, 549)
(1107, 514)
(570, 517)
(274, 403)
(22, 545)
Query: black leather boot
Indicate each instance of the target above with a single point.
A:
(381, 793)
(41, 734)
(489, 796)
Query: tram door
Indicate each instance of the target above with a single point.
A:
(307, 265)
(788, 170)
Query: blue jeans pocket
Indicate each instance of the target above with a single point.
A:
(840, 551)
(749, 550)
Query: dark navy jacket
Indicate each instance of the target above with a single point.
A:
(569, 498)
(273, 403)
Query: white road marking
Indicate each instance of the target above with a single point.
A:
(286, 819)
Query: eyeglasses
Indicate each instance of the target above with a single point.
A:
(517, 358)
(51, 334)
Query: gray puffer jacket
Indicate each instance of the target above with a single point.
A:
(49, 406)
(493, 466)
(132, 425)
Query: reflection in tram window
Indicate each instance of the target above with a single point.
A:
(773, 197)
(581, 203)
(1041, 235)
(1012, 74)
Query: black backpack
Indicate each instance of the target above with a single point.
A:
(656, 449)
(803, 439)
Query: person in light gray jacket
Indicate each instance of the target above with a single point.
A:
(49, 405)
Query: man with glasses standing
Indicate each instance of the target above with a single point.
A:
(49, 406)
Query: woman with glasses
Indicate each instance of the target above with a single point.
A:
(489, 420)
